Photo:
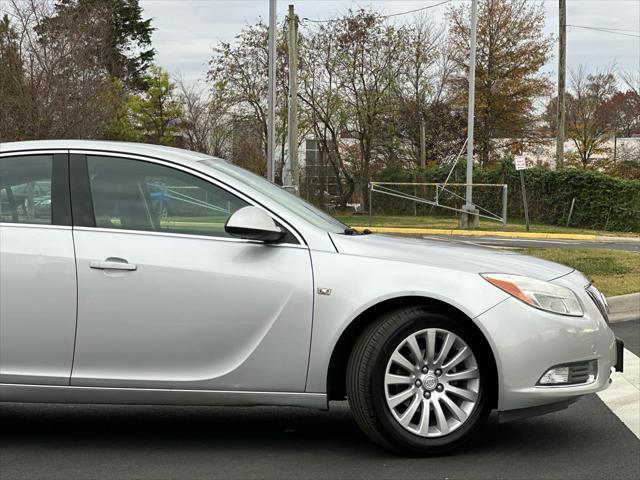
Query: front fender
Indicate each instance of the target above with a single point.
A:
(358, 283)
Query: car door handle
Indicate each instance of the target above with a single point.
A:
(113, 263)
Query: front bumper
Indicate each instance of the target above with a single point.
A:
(517, 414)
(527, 342)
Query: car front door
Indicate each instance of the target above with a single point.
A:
(37, 270)
(167, 299)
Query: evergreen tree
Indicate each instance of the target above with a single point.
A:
(11, 81)
(128, 53)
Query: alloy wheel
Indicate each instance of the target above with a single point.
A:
(432, 382)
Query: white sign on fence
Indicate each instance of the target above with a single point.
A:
(521, 163)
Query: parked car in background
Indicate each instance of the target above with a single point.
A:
(31, 199)
(152, 275)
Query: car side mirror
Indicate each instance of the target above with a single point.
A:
(252, 223)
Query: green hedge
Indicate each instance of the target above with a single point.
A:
(601, 200)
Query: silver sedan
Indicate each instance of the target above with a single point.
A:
(140, 274)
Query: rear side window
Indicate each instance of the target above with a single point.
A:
(25, 189)
(138, 195)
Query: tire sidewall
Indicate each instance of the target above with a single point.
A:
(396, 434)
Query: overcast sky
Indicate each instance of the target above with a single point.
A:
(187, 29)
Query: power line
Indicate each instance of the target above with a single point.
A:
(416, 10)
(622, 30)
(606, 30)
(613, 31)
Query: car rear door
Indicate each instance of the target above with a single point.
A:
(37, 270)
(167, 299)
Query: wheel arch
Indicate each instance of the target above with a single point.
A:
(336, 373)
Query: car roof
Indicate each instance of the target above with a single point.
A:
(177, 155)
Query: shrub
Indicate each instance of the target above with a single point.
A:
(601, 201)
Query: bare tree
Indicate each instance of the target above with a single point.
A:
(353, 65)
(424, 97)
(240, 68)
(321, 95)
(64, 92)
(589, 126)
(632, 80)
(206, 122)
(368, 51)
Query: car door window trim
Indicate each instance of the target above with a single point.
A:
(35, 151)
(185, 235)
(35, 225)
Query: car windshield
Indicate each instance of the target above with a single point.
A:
(279, 195)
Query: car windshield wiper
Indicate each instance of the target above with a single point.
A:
(353, 231)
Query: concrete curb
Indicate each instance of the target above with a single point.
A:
(498, 233)
(623, 308)
(602, 238)
(481, 233)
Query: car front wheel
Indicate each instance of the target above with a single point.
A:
(418, 382)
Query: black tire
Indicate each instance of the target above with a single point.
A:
(365, 382)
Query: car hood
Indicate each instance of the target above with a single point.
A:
(449, 254)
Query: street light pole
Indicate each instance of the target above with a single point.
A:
(562, 67)
(291, 173)
(271, 102)
(469, 216)
(472, 94)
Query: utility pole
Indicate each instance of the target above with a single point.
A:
(292, 176)
(562, 67)
(271, 101)
(469, 219)
(423, 146)
(423, 162)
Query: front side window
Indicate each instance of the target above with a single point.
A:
(137, 195)
(25, 189)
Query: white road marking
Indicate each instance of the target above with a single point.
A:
(529, 240)
(490, 241)
(623, 395)
(439, 239)
(490, 245)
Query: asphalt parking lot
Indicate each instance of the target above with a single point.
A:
(630, 333)
(104, 442)
(627, 245)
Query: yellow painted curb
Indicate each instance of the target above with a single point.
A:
(478, 233)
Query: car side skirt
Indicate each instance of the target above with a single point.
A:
(147, 396)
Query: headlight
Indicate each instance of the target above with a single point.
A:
(543, 295)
